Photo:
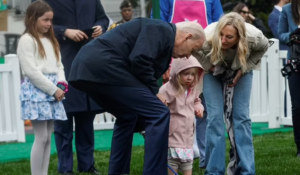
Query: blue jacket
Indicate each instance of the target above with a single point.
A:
(273, 24)
(134, 54)
(286, 24)
(76, 14)
(214, 10)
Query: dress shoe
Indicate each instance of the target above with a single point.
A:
(93, 170)
(298, 154)
(68, 173)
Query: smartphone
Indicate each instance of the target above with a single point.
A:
(89, 32)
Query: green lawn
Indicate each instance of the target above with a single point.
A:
(274, 155)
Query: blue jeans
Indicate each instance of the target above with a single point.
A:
(215, 133)
(201, 124)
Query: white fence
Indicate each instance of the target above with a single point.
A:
(11, 126)
(269, 89)
(267, 98)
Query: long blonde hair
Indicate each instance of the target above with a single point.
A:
(238, 22)
(180, 88)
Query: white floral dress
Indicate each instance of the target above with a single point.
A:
(182, 154)
(37, 105)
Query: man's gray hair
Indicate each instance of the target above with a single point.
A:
(191, 27)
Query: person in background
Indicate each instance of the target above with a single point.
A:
(120, 69)
(126, 12)
(182, 97)
(41, 98)
(204, 13)
(233, 49)
(274, 20)
(76, 22)
(243, 10)
(289, 21)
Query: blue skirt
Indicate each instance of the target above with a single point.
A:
(37, 105)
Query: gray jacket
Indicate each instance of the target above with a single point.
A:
(258, 44)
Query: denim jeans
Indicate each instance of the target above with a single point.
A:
(215, 132)
(201, 124)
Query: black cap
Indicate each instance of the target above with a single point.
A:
(125, 4)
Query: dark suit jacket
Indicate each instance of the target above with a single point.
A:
(286, 24)
(76, 14)
(273, 24)
(134, 54)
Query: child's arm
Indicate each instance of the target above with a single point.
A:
(198, 107)
(165, 93)
(61, 73)
(26, 54)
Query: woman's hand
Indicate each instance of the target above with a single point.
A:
(59, 94)
(162, 98)
(238, 75)
(251, 17)
(199, 113)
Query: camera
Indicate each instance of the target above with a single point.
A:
(293, 64)
(290, 67)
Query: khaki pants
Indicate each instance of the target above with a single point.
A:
(177, 164)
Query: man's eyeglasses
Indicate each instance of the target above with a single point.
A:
(245, 12)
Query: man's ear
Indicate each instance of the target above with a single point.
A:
(188, 36)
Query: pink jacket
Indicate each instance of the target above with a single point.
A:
(182, 108)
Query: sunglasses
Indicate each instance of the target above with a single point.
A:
(245, 12)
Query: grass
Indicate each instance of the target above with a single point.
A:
(274, 155)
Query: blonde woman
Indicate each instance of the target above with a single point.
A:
(233, 49)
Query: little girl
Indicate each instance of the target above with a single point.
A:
(39, 56)
(181, 93)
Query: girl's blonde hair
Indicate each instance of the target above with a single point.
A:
(33, 12)
(180, 88)
(238, 22)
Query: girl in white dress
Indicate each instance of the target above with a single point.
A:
(44, 83)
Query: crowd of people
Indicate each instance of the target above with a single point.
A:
(76, 66)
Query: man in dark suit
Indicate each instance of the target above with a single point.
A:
(73, 22)
(120, 69)
(274, 20)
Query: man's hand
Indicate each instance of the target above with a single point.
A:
(199, 113)
(97, 31)
(162, 98)
(75, 35)
(236, 78)
(166, 76)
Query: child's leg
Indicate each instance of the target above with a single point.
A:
(188, 172)
(187, 168)
(171, 172)
(174, 164)
(47, 151)
(38, 147)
